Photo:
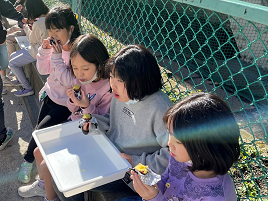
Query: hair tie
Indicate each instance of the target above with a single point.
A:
(76, 16)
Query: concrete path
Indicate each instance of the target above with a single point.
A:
(16, 117)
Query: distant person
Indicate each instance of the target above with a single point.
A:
(63, 26)
(7, 10)
(12, 32)
(203, 144)
(36, 9)
(6, 81)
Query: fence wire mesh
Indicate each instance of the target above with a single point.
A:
(198, 50)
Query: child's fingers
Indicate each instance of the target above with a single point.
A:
(83, 93)
(69, 93)
(138, 185)
(86, 126)
(46, 44)
(58, 47)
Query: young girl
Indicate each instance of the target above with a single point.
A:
(134, 124)
(35, 9)
(63, 27)
(88, 57)
(203, 143)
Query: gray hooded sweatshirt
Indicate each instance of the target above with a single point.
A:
(137, 129)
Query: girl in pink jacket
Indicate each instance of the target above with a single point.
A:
(63, 27)
(88, 57)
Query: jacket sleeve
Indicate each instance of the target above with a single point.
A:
(71, 106)
(43, 64)
(33, 35)
(161, 185)
(103, 106)
(158, 160)
(62, 71)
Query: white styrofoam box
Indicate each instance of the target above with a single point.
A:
(79, 162)
(22, 41)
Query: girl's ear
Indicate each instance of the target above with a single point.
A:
(72, 28)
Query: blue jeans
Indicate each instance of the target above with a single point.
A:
(3, 57)
(134, 198)
(3, 65)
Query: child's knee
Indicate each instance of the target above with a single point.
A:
(11, 62)
(37, 153)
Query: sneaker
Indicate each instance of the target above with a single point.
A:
(10, 74)
(4, 91)
(24, 92)
(25, 172)
(31, 190)
(7, 82)
(8, 138)
(16, 83)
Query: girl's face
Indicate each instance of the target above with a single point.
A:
(60, 35)
(119, 89)
(177, 150)
(83, 70)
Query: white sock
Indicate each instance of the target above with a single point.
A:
(41, 183)
(3, 76)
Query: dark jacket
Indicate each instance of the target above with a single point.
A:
(7, 10)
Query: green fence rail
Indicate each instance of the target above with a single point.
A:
(215, 46)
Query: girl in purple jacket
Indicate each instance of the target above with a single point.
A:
(203, 143)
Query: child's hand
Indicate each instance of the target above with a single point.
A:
(19, 7)
(127, 157)
(145, 191)
(25, 25)
(46, 44)
(83, 102)
(57, 47)
(70, 93)
(86, 126)
(24, 20)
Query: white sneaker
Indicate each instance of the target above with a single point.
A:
(7, 82)
(32, 190)
(4, 91)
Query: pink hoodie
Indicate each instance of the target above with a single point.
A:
(46, 62)
(100, 104)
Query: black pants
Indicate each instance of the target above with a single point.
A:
(50, 114)
(113, 187)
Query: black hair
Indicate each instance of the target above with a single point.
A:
(36, 8)
(138, 68)
(206, 127)
(61, 17)
(93, 51)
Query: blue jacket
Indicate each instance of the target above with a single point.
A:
(7, 10)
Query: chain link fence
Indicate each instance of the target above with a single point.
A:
(199, 49)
